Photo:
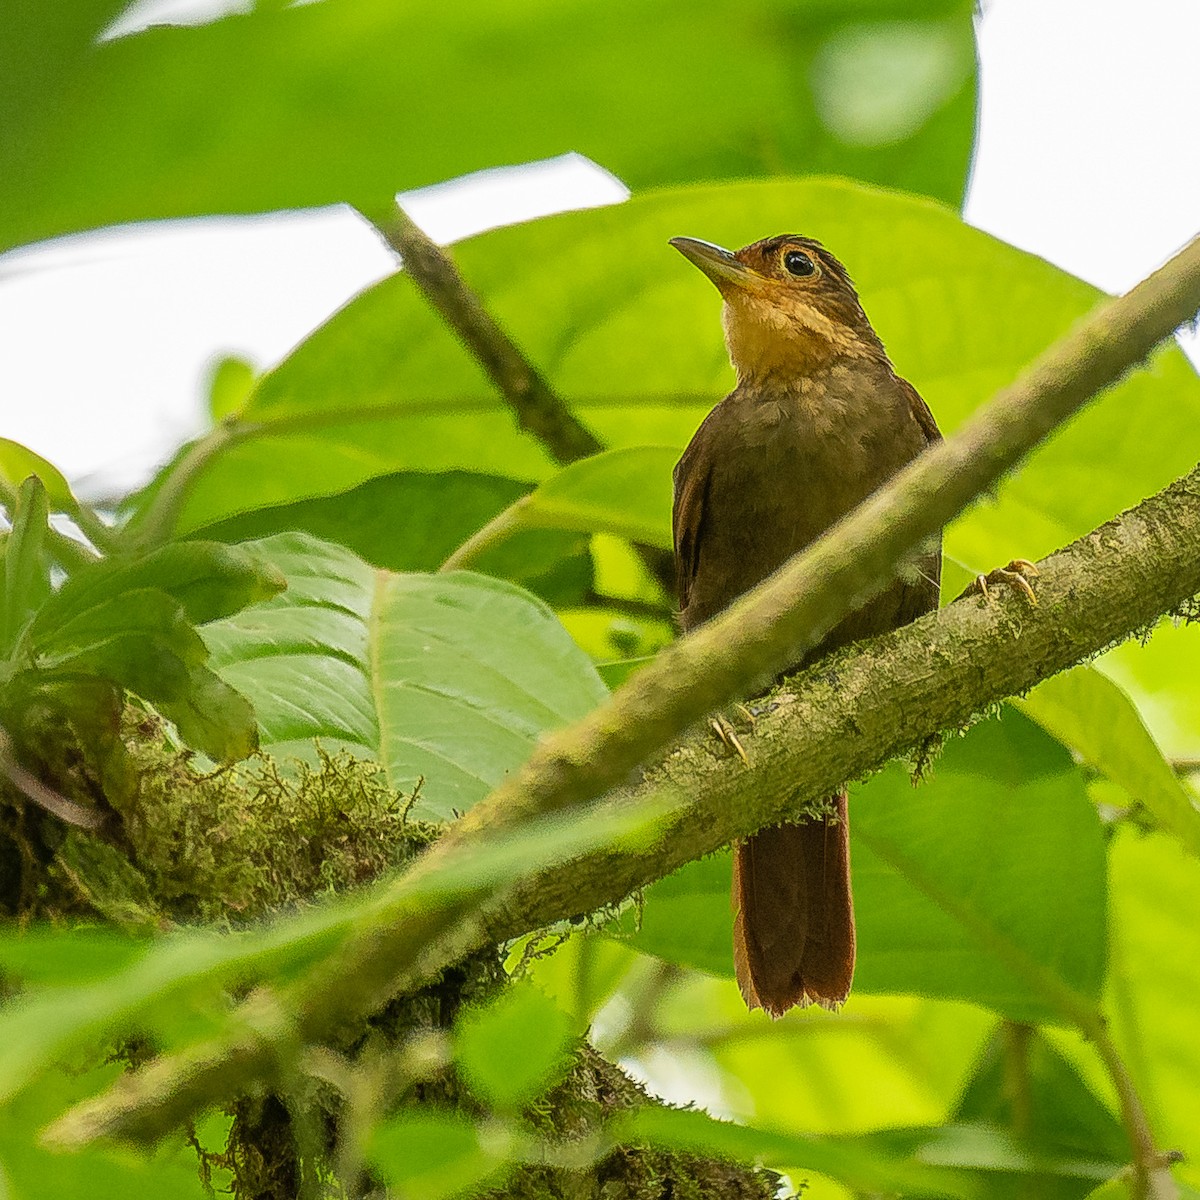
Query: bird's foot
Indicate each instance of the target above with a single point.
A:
(1016, 575)
(727, 735)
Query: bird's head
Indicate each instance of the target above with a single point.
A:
(790, 307)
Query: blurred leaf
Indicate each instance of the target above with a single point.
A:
(18, 462)
(208, 579)
(413, 521)
(1026, 1089)
(31, 1171)
(229, 385)
(212, 717)
(807, 1071)
(348, 100)
(447, 679)
(625, 492)
(984, 883)
(189, 967)
(630, 335)
(859, 1166)
(513, 1049)
(41, 955)
(431, 1155)
(1154, 980)
(26, 582)
(879, 83)
(1092, 715)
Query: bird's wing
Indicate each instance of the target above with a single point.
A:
(692, 475)
(920, 412)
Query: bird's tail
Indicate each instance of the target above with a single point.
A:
(793, 936)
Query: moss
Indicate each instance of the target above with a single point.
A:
(225, 846)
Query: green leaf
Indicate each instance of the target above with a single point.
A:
(432, 1155)
(860, 1167)
(1155, 978)
(625, 492)
(659, 94)
(212, 717)
(1092, 715)
(229, 385)
(630, 335)
(513, 1049)
(101, 639)
(1024, 1084)
(26, 569)
(1160, 674)
(448, 678)
(413, 521)
(984, 883)
(18, 462)
(209, 580)
(987, 881)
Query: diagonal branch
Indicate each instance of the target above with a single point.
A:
(540, 411)
(838, 720)
(847, 717)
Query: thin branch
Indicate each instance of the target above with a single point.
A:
(157, 523)
(539, 410)
(43, 796)
(837, 721)
(1151, 1176)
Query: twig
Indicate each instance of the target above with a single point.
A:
(45, 797)
(1151, 1179)
(538, 409)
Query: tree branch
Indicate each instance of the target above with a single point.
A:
(838, 720)
(846, 717)
(540, 411)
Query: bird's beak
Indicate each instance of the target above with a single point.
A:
(718, 264)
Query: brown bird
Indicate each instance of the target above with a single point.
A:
(818, 421)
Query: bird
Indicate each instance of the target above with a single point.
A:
(818, 421)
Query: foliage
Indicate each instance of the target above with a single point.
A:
(1033, 891)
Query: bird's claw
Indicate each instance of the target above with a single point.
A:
(1016, 576)
(725, 733)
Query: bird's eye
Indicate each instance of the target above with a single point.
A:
(796, 262)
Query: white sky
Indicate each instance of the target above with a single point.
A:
(1087, 156)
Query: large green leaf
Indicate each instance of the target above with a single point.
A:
(446, 678)
(1091, 714)
(630, 335)
(352, 100)
(984, 883)
(414, 521)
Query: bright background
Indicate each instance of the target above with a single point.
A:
(106, 339)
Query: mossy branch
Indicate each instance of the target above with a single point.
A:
(843, 719)
(836, 721)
